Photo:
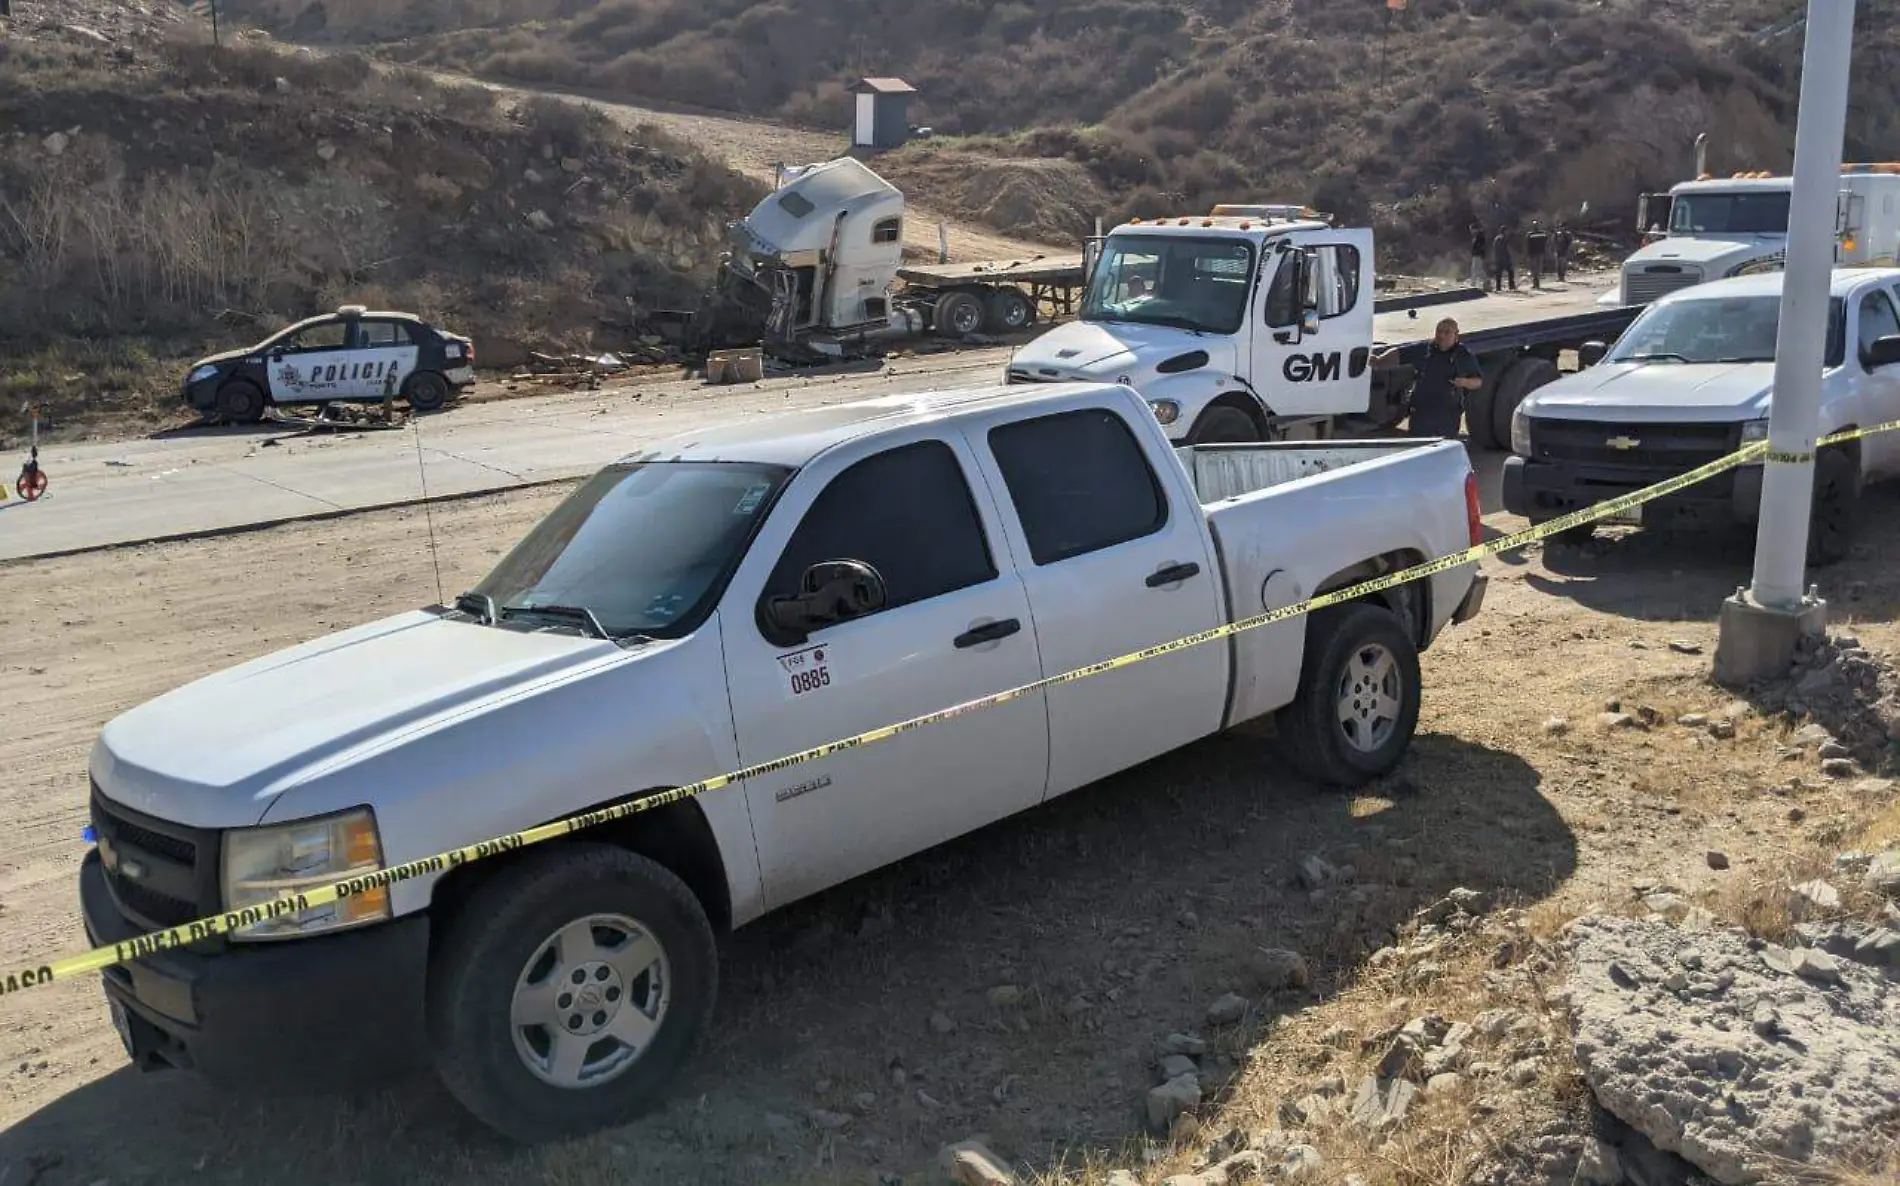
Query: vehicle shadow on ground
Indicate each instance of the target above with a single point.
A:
(1121, 912)
(1615, 572)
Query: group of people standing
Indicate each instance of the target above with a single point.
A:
(1491, 255)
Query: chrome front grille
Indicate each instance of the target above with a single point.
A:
(1655, 281)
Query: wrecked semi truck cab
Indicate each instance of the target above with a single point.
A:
(717, 601)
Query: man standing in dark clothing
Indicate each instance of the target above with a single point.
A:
(1479, 244)
(1438, 394)
(1501, 266)
(1537, 243)
(1562, 242)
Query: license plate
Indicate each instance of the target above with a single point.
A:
(123, 1024)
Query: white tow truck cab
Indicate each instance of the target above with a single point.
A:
(1692, 381)
(1232, 327)
(721, 600)
(1714, 228)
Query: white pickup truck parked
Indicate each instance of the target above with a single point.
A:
(1691, 381)
(722, 599)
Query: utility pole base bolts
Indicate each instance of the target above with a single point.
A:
(1758, 642)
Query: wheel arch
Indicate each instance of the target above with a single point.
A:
(677, 836)
(1410, 603)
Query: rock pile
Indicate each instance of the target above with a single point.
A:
(1741, 1056)
(1853, 696)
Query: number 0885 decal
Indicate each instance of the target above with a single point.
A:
(810, 680)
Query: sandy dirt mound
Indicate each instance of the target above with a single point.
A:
(1043, 199)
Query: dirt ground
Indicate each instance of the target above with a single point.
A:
(1120, 911)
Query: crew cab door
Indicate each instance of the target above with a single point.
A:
(956, 627)
(311, 365)
(1115, 559)
(1312, 324)
(1878, 387)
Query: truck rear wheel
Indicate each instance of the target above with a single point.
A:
(1525, 376)
(1357, 704)
(1480, 425)
(958, 315)
(568, 991)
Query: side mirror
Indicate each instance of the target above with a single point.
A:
(1591, 353)
(830, 592)
(1884, 352)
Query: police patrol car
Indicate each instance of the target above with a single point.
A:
(352, 355)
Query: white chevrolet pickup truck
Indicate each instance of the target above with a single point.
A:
(1691, 381)
(727, 598)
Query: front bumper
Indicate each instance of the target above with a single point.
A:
(203, 395)
(1543, 490)
(329, 1011)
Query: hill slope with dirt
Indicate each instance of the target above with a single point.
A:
(1503, 109)
(160, 198)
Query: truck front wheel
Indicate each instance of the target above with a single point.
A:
(1836, 503)
(1222, 425)
(568, 991)
(1357, 704)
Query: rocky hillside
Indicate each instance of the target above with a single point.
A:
(1505, 109)
(159, 198)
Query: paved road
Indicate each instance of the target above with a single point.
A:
(210, 480)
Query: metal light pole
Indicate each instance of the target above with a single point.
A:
(1761, 624)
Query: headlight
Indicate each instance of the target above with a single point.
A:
(262, 864)
(1166, 410)
(1520, 432)
(1754, 430)
(202, 373)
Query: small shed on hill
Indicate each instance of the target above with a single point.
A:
(882, 113)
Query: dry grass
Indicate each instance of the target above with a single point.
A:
(212, 195)
(1501, 110)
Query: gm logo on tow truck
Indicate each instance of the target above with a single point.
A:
(1622, 444)
(1312, 368)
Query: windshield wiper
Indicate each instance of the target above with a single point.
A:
(573, 613)
(478, 605)
(1750, 358)
(1654, 357)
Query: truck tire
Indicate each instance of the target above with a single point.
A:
(568, 990)
(958, 315)
(425, 391)
(1525, 376)
(1357, 704)
(1836, 507)
(1480, 425)
(1222, 425)
(240, 402)
(1010, 310)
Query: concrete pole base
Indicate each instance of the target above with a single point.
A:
(1758, 643)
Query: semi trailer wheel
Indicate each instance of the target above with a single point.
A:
(568, 991)
(1010, 310)
(958, 315)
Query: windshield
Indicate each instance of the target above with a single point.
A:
(1730, 214)
(1714, 330)
(1194, 284)
(646, 547)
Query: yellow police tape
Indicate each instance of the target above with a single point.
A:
(141, 946)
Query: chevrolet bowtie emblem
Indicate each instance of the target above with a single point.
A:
(1624, 443)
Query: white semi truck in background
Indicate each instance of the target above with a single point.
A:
(1713, 228)
(1242, 328)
